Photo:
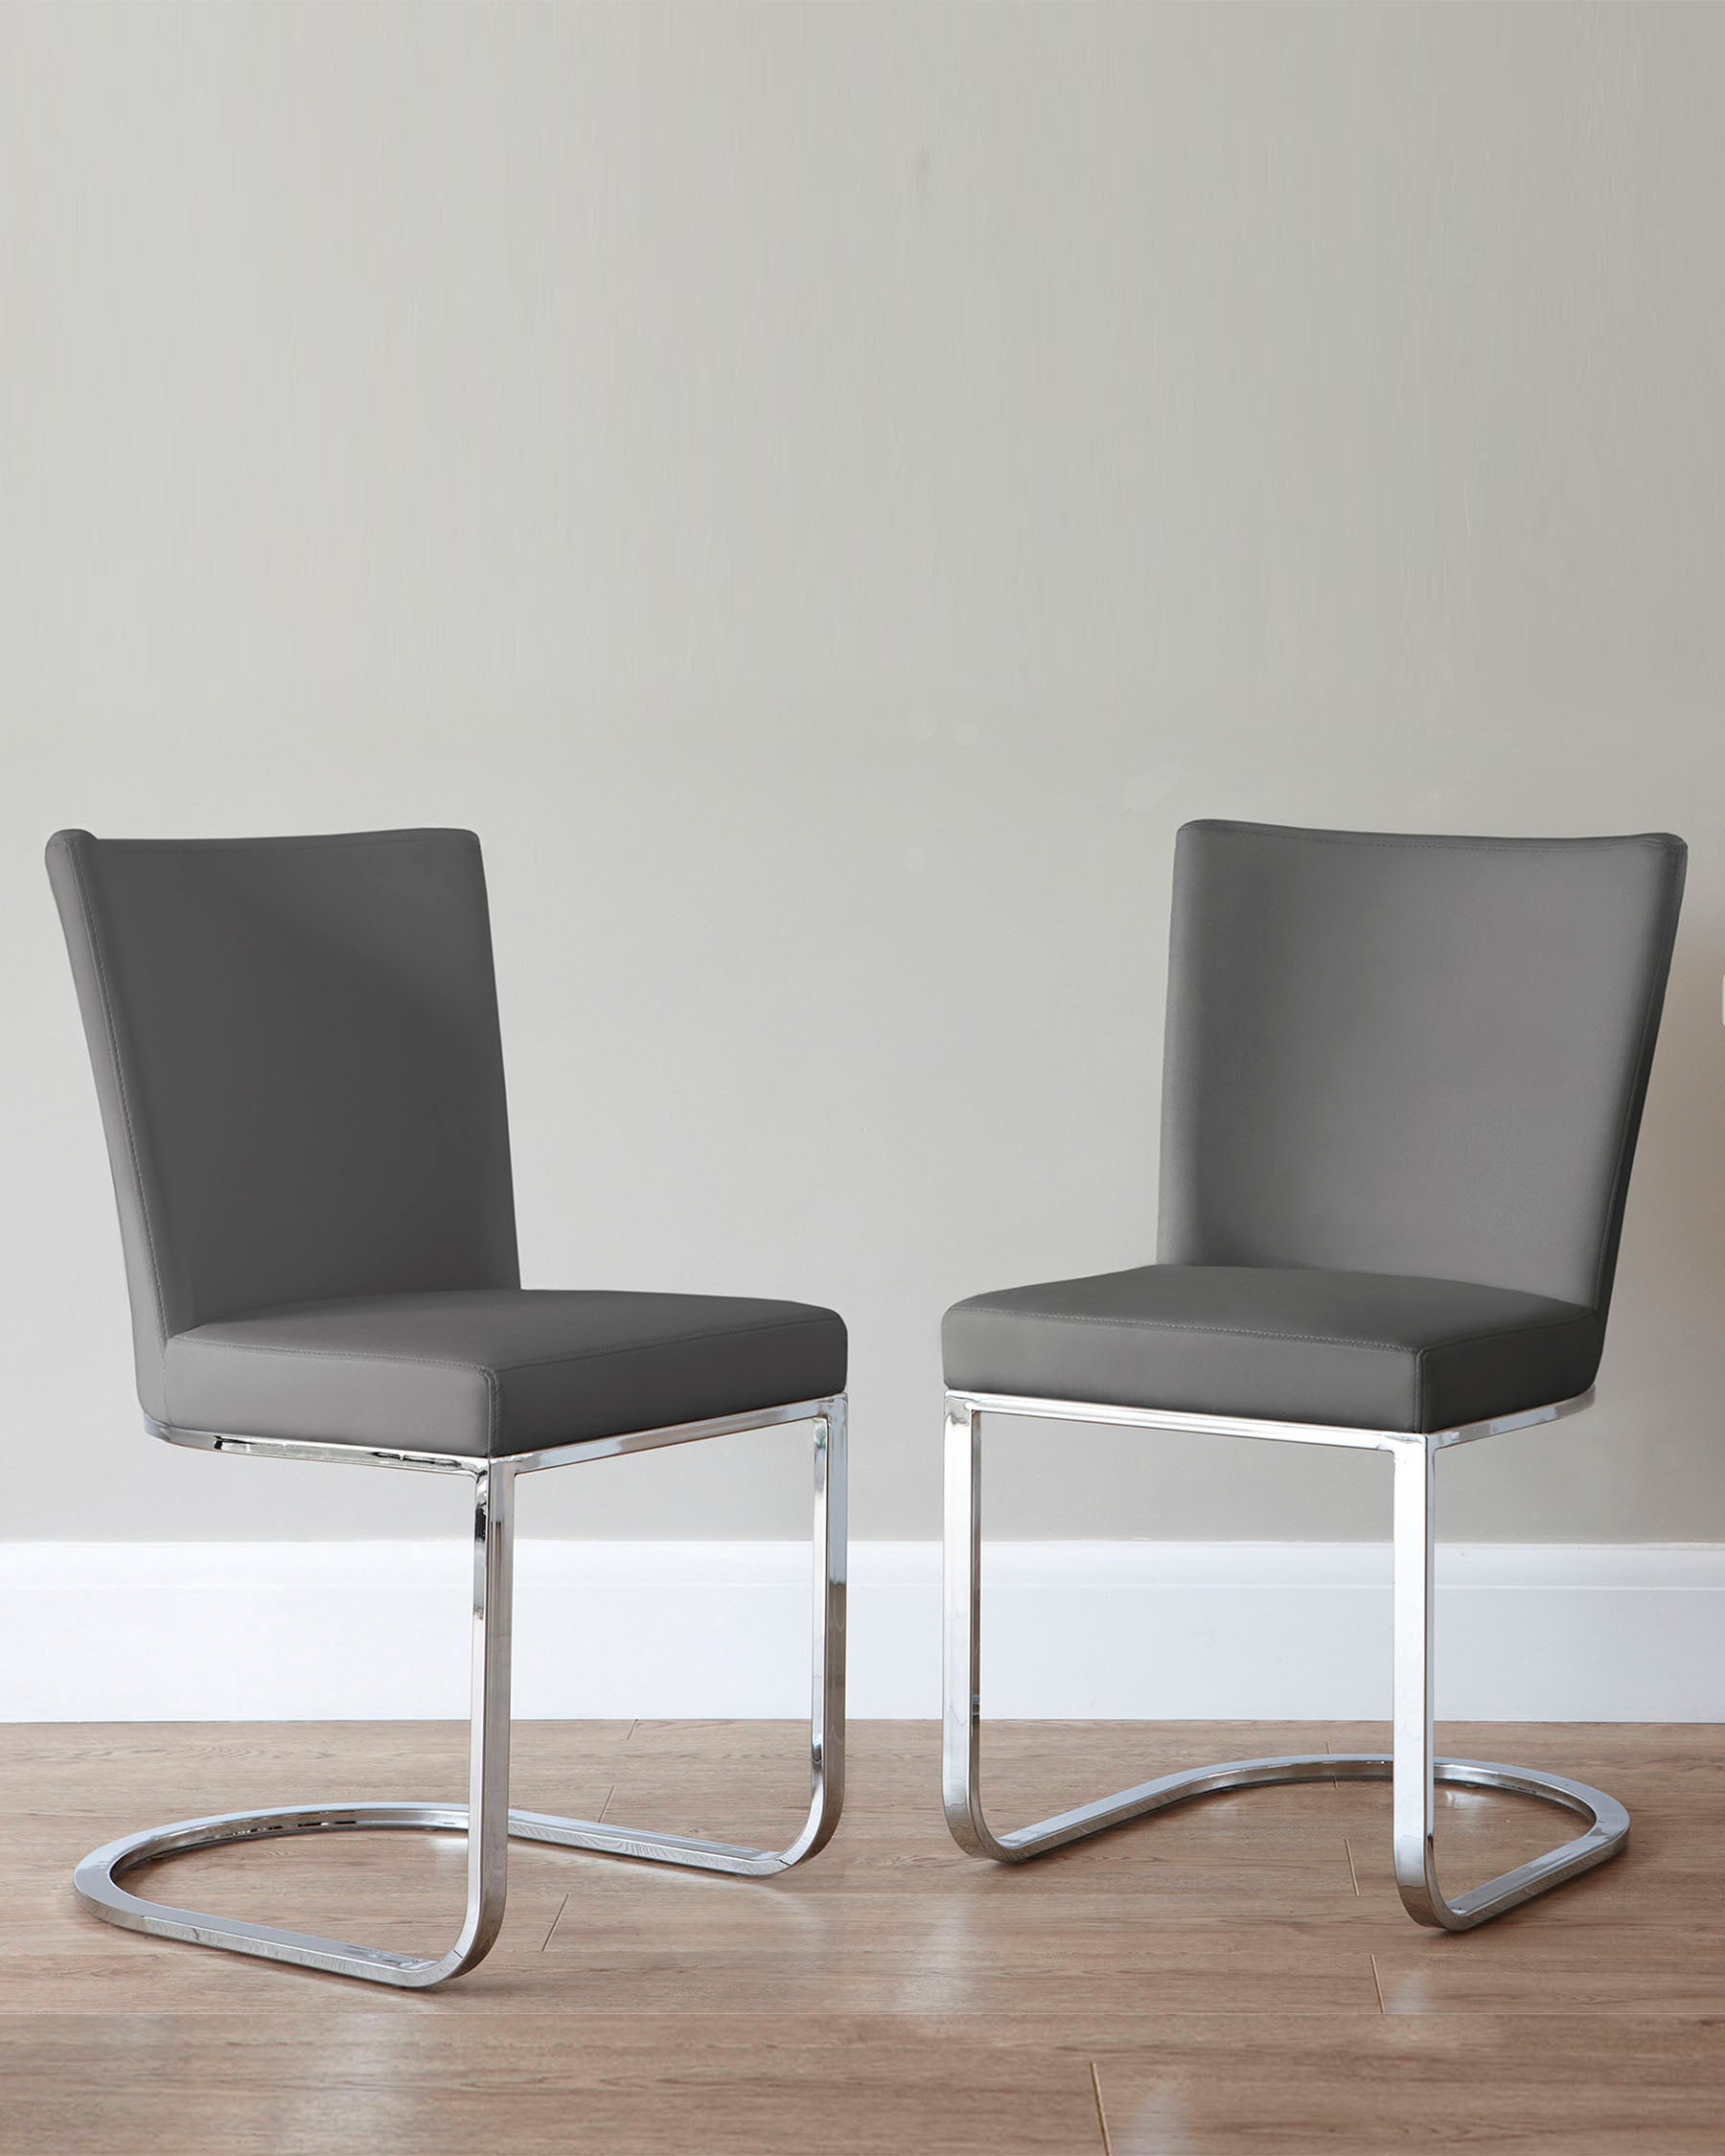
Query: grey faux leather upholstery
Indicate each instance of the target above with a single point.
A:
(1355, 1350)
(297, 1057)
(1402, 1081)
(495, 1371)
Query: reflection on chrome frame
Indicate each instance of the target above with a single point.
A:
(486, 1818)
(1411, 1767)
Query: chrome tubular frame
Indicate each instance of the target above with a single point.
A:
(1411, 1767)
(486, 1818)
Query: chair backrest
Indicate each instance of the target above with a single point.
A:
(297, 1056)
(1412, 1055)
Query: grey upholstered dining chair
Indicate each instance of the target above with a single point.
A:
(1402, 1081)
(297, 1057)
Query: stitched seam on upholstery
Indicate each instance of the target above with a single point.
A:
(1468, 1339)
(1250, 1332)
(347, 1355)
(1497, 1332)
(1178, 1326)
(327, 1354)
(675, 1339)
(1645, 1060)
(479, 1369)
(1396, 842)
(289, 841)
(125, 1114)
(492, 1389)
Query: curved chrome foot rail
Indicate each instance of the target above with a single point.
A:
(1607, 1828)
(486, 1819)
(97, 1879)
(97, 1885)
(1412, 1768)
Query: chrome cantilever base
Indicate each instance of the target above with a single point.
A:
(1412, 1769)
(97, 1880)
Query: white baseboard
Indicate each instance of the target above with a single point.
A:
(1278, 1631)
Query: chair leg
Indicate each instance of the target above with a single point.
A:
(96, 1881)
(97, 1878)
(1411, 1767)
(826, 1725)
(1416, 1769)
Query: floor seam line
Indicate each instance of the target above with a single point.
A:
(555, 1922)
(1101, 2113)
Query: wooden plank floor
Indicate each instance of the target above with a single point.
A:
(1232, 1977)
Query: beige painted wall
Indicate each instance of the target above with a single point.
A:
(825, 493)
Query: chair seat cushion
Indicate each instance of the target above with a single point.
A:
(488, 1373)
(1354, 1350)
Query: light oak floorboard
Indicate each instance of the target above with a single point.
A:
(1230, 1975)
(308, 2084)
(1493, 2087)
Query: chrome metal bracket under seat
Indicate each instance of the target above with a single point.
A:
(486, 1818)
(1411, 1767)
